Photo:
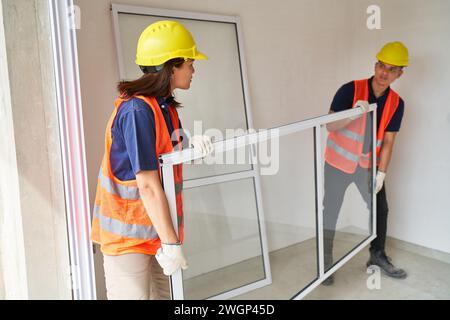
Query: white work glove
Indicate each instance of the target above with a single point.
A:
(202, 143)
(364, 105)
(170, 257)
(379, 180)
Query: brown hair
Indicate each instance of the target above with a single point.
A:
(151, 84)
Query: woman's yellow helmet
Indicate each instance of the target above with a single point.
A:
(163, 41)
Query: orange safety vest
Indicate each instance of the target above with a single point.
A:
(120, 222)
(344, 146)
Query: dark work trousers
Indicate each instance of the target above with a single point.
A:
(336, 183)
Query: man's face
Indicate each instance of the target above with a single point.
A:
(386, 73)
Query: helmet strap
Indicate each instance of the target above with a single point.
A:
(151, 69)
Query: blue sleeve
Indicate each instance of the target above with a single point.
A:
(138, 128)
(396, 121)
(343, 99)
(183, 136)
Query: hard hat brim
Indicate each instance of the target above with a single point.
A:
(397, 63)
(200, 56)
(142, 61)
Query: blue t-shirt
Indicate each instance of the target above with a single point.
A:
(133, 133)
(343, 100)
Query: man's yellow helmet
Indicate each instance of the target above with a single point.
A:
(394, 53)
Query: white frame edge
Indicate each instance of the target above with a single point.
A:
(189, 154)
(176, 279)
(374, 173)
(319, 197)
(73, 150)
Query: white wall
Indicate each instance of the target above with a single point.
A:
(298, 53)
(13, 280)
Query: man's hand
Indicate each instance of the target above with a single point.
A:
(364, 105)
(379, 180)
(170, 257)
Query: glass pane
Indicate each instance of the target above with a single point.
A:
(222, 238)
(215, 104)
(236, 160)
(288, 189)
(347, 189)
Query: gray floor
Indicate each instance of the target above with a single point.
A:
(427, 279)
(294, 267)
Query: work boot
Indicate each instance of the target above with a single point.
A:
(328, 281)
(380, 259)
(328, 261)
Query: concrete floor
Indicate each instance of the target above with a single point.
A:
(294, 267)
(427, 279)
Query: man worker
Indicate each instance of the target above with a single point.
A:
(348, 152)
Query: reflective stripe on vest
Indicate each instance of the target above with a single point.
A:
(366, 157)
(379, 143)
(115, 226)
(126, 192)
(351, 135)
(178, 187)
(118, 227)
(346, 154)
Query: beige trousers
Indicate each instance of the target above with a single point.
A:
(135, 276)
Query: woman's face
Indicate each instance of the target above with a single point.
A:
(182, 76)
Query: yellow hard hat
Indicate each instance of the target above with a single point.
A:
(165, 40)
(394, 53)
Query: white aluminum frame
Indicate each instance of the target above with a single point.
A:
(186, 156)
(73, 149)
(319, 164)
